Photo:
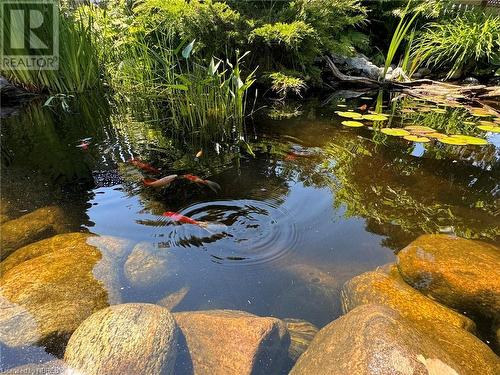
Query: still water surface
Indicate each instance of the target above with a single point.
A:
(318, 204)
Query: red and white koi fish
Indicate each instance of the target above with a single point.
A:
(84, 145)
(197, 180)
(164, 181)
(144, 166)
(209, 227)
(175, 216)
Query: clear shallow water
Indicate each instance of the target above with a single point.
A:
(318, 204)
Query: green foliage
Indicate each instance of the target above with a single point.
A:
(291, 35)
(283, 84)
(79, 67)
(469, 39)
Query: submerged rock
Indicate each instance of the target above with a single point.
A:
(312, 295)
(231, 342)
(391, 290)
(171, 300)
(49, 245)
(35, 226)
(44, 299)
(374, 339)
(460, 273)
(56, 367)
(148, 265)
(133, 338)
(301, 334)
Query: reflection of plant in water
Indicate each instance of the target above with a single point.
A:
(284, 110)
(398, 191)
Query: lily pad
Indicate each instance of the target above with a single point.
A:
(484, 122)
(453, 141)
(436, 135)
(395, 132)
(471, 140)
(419, 129)
(349, 114)
(490, 128)
(416, 138)
(352, 124)
(375, 117)
(480, 113)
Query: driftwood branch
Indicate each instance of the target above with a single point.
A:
(434, 91)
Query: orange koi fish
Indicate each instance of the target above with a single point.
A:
(199, 154)
(197, 180)
(144, 166)
(164, 181)
(364, 107)
(183, 219)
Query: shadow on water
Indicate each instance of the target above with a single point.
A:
(317, 204)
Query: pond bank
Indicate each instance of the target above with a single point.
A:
(403, 312)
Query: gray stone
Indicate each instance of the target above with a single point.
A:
(358, 65)
(132, 338)
(147, 265)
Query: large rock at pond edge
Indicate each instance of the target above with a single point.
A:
(56, 243)
(357, 66)
(374, 339)
(37, 225)
(45, 299)
(148, 265)
(55, 367)
(231, 343)
(133, 338)
(301, 334)
(391, 290)
(460, 273)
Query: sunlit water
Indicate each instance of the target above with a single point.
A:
(318, 204)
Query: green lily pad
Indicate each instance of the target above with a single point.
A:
(416, 138)
(352, 124)
(375, 117)
(471, 140)
(490, 128)
(395, 132)
(453, 141)
(349, 114)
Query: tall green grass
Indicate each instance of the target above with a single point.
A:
(470, 39)
(78, 59)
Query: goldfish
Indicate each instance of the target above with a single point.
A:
(164, 181)
(197, 180)
(144, 166)
(84, 145)
(209, 227)
(364, 107)
(199, 154)
(290, 156)
(181, 218)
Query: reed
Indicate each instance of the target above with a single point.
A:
(78, 59)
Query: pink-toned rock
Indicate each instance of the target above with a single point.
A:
(231, 343)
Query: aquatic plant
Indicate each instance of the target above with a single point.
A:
(471, 38)
(79, 67)
(400, 33)
(283, 84)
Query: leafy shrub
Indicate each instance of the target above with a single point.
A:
(283, 84)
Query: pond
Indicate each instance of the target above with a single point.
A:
(284, 225)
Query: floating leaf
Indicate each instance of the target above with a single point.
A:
(490, 128)
(352, 124)
(480, 113)
(436, 135)
(416, 138)
(349, 114)
(489, 123)
(453, 141)
(375, 117)
(395, 132)
(419, 129)
(471, 140)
